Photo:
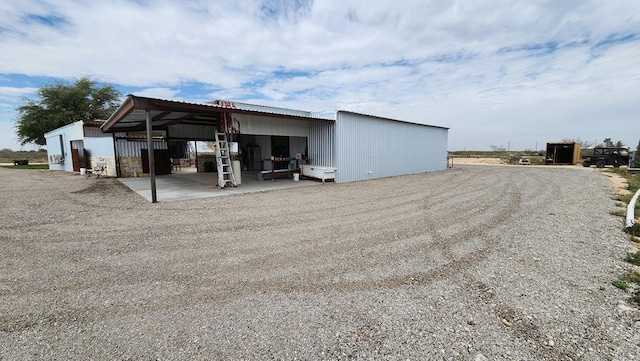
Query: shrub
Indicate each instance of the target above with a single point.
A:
(620, 284)
(633, 258)
(633, 277)
(634, 230)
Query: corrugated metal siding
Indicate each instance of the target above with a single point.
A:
(321, 143)
(369, 147)
(259, 125)
(96, 133)
(192, 131)
(131, 148)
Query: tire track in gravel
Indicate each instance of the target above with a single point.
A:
(511, 318)
(403, 222)
(441, 243)
(206, 290)
(517, 323)
(503, 206)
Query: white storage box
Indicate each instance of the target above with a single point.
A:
(319, 172)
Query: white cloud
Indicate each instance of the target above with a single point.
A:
(162, 93)
(10, 99)
(494, 71)
(15, 93)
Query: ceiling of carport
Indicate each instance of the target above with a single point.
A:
(131, 115)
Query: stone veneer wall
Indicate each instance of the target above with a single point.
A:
(110, 162)
(130, 165)
(202, 158)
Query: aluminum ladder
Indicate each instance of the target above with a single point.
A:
(223, 161)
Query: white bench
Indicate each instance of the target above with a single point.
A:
(274, 172)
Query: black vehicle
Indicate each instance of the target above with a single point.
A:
(607, 156)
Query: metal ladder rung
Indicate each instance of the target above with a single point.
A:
(223, 158)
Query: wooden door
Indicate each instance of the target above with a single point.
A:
(75, 160)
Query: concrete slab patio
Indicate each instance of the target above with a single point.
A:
(186, 184)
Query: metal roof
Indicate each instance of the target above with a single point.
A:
(395, 120)
(270, 109)
(131, 115)
(96, 123)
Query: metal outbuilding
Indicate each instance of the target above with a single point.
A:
(357, 146)
(369, 147)
(563, 153)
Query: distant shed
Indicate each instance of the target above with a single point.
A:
(563, 153)
(81, 144)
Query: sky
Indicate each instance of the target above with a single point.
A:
(498, 73)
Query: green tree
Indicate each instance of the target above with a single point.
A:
(60, 104)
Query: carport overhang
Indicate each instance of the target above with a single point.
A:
(132, 114)
(148, 114)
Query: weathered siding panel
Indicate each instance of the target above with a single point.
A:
(370, 147)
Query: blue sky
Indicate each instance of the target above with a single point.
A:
(504, 73)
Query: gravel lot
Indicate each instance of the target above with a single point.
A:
(471, 263)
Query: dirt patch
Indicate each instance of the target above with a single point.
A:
(620, 184)
(103, 186)
(478, 161)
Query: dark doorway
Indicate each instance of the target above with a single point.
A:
(280, 146)
(251, 152)
(251, 156)
(178, 149)
(162, 161)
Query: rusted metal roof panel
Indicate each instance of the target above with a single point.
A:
(272, 110)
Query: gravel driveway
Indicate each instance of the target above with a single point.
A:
(471, 263)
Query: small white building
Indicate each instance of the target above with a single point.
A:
(80, 145)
